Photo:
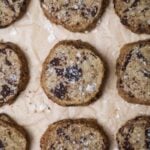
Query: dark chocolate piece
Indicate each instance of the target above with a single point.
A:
(146, 73)
(127, 60)
(134, 4)
(60, 91)
(147, 134)
(59, 72)
(55, 62)
(94, 11)
(3, 51)
(7, 62)
(140, 56)
(124, 20)
(6, 91)
(1, 145)
(73, 73)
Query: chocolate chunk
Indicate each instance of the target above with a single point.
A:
(148, 144)
(127, 61)
(134, 4)
(73, 73)
(7, 62)
(5, 91)
(1, 145)
(147, 134)
(60, 131)
(3, 51)
(130, 94)
(140, 56)
(126, 10)
(124, 20)
(55, 62)
(59, 72)
(84, 57)
(67, 137)
(146, 73)
(60, 91)
(94, 11)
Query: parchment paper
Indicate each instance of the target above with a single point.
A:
(36, 36)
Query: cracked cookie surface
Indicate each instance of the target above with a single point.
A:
(74, 15)
(11, 10)
(135, 134)
(13, 72)
(134, 14)
(75, 134)
(72, 73)
(133, 71)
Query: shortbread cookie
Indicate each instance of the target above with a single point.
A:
(72, 73)
(73, 135)
(134, 14)
(74, 15)
(11, 10)
(13, 72)
(133, 71)
(135, 134)
(12, 136)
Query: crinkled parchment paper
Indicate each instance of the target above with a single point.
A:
(36, 36)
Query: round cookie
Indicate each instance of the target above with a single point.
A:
(135, 134)
(75, 134)
(134, 14)
(74, 15)
(133, 72)
(72, 73)
(11, 10)
(14, 73)
(12, 136)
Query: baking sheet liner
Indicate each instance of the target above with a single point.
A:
(36, 36)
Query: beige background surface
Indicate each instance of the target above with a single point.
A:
(36, 36)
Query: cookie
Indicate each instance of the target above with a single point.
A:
(14, 74)
(11, 10)
(133, 72)
(134, 14)
(135, 134)
(72, 73)
(12, 136)
(74, 15)
(75, 134)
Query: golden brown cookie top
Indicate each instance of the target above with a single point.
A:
(75, 134)
(72, 73)
(134, 14)
(133, 71)
(75, 15)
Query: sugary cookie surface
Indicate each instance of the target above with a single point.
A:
(135, 14)
(135, 134)
(74, 134)
(10, 10)
(133, 69)
(72, 73)
(75, 15)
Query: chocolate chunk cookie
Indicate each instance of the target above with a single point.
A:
(135, 134)
(133, 71)
(12, 136)
(74, 15)
(11, 10)
(13, 72)
(74, 135)
(72, 73)
(134, 14)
